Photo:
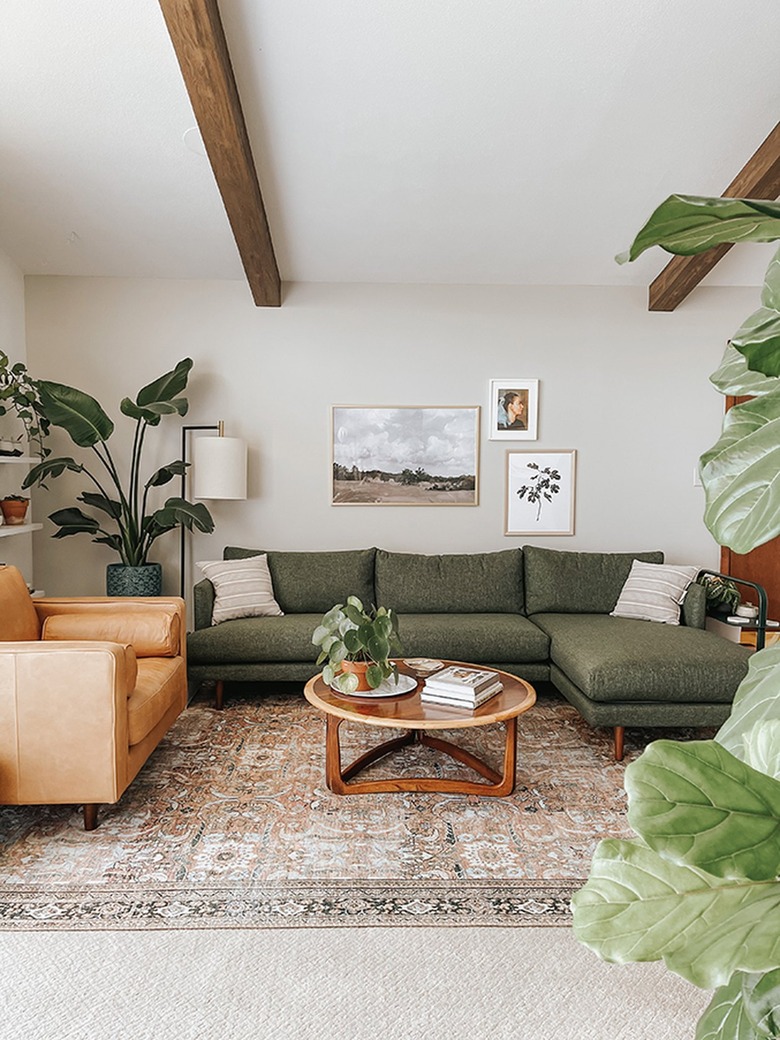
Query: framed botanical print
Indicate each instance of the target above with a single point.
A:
(540, 492)
(405, 455)
(514, 409)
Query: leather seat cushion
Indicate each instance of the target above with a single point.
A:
(158, 686)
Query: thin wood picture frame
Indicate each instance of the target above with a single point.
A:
(540, 492)
(514, 409)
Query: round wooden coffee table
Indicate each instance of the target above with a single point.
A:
(408, 712)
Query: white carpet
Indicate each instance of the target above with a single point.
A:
(333, 984)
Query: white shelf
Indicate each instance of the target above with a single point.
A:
(6, 530)
(27, 459)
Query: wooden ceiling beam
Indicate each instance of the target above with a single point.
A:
(759, 178)
(198, 38)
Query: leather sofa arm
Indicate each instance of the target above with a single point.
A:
(153, 625)
(65, 720)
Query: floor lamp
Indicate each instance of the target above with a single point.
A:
(218, 472)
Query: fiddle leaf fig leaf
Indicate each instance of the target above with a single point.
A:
(741, 476)
(734, 377)
(637, 906)
(726, 1017)
(690, 224)
(770, 294)
(77, 413)
(695, 803)
(761, 997)
(762, 748)
(758, 340)
(756, 701)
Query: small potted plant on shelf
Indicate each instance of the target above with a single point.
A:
(357, 643)
(14, 508)
(722, 594)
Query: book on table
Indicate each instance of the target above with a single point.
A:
(464, 698)
(459, 679)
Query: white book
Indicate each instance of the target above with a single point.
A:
(455, 701)
(456, 677)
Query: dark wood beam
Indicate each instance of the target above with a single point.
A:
(198, 38)
(758, 179)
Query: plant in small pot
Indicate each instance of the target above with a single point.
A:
(19, 393)
(14, 508)
(124, 503)
(357, 644)
(722, 594)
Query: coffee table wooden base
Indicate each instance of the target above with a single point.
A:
(499, 784)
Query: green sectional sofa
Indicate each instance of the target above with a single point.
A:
(538, 613)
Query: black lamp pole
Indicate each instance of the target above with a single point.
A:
(220, 428)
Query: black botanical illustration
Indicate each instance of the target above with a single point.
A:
(543, 484)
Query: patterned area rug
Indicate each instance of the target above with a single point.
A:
(230, 824)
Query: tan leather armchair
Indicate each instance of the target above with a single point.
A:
(88, 688)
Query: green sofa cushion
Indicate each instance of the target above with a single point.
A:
(455, 583)
(472, 637)
(312, 582)
(255, 640)
(576, 582)
(620, 659)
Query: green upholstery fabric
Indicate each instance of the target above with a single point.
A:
(203, 605)
(480, 638)
(619, 659)
(576, 582)
(694, 607)
(285, 638)
(312, 582)
(462, 583)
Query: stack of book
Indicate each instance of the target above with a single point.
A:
(461, 687)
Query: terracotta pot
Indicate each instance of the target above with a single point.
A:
(14, 512)
(357, 668)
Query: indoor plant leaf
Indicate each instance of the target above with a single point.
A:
(77, 413)
(726, 1017)
(73, 521)
(758, 340)
(696, 803)
(177, 512)
(375, 673)
(166, 473)
(762, 747)
(734, 377)
(637, 906)
(757, 700)
(761, 996)
(167, 387)
(741, 476)
(50, 468)
(107, 505)
(690, 224)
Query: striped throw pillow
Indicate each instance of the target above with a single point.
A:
(243, 589)
(654, 592)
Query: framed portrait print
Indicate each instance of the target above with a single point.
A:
(405, 456)
(540, 492)
(514, 409)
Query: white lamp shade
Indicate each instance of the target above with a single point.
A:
(219, 467)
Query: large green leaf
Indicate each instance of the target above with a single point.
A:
(50, 468)
(756, 701)
(107, 505)
(761, 996)
(637, 906)
(762, 747)
(741, 476)
(73, 521)
(696, 803)
(690, 224)
(734, 377)
(166, 473)
(726, 1017)
(758, 340)
(178, 512)
(77, 413)
(167, 387)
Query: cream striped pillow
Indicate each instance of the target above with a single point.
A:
(654, 592)
(243, 589)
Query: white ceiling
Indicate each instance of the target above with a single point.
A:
(461, 141)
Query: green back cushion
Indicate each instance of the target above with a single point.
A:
(576, 582)
(311, 582)
(467, 583)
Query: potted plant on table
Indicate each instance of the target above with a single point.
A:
(357, 643)
(14, 508)
(700, 886)
(129, 523)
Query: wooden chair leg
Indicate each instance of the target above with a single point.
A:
(219, 693)
(619, 733)
(90, 816)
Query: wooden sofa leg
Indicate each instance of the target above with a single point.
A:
(219, 693)
(90, 816)
(619, 733)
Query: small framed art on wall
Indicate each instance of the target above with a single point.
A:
(540, 492)
(514, 409)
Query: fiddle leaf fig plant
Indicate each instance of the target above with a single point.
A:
(350, 632)
(699, 887)
(129, 524)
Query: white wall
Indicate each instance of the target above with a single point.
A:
(17, 549)
(626, 388)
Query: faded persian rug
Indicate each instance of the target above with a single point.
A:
(230, 824)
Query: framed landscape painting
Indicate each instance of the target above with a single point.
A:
(514, 409)
(540, 492)
(405, 456)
